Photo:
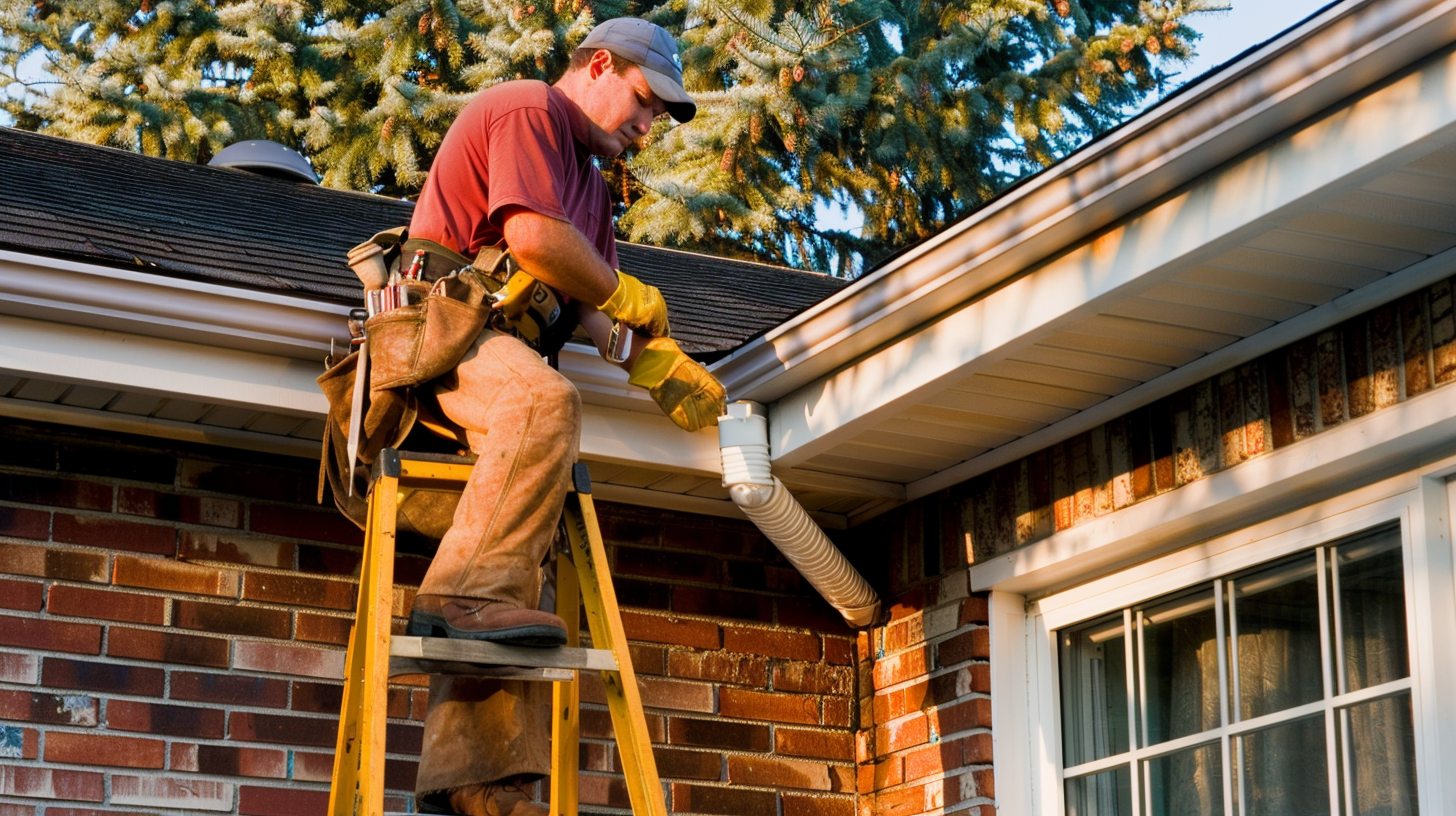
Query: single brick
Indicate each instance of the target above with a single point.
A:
(797, 804)
(278, 658)
(757, 705)
(400, 774)
(771, 642)
(228, 689)
(167, 647)
(677, 695)
(171, 794)
(906, 733)
(315, 628)
(25, 596)
(975, 609)
(101, 531)
(674, 763)
(230, 619)
(55, 492)
(197, 545)
(830, 745)
(299, 590)
(29, 810)
(837, 712)
(19, 668)
(329, 560)
(213, 512)
(727, 736)
(163, 574)
(24, 522)
(126, 607)
(814, 678)
(312, 767)
(605, 791)
(112, 678)
(168, 720)
(974, 713)
(328, 698)
(52, 635)
(779, 773)
(248, 726)
(104, 749)
(648, 659)
(839, 651)
(49, 709)
(718, 801)
(315, 525)
(51, 783)
(254, 800)
(17, 742)
(676, 631)
(41, 562)
(719, 667)
(901, 668)
(230, 760)
(902, 802)
(643, 594)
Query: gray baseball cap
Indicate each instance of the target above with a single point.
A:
(655, 52)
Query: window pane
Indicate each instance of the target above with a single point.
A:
(1180, 646)
(1094, 691)
(1380, 757)
(1372, 610)
(1188, 783)
(1106, 794)
(1277, 615)
(1284, 772)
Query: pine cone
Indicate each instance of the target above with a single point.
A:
(1169, 25)
(1127, 45)
(755, 128)
(1064, 8)
(798, 73)
(1124, 63)
(386, 131)
(729, 157)
(1153, 45)
(790, 142)
(786, 78)
(425, 23)
(442, 40)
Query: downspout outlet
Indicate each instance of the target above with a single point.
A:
(747, 473)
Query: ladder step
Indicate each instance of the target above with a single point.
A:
(412, 655)
(409, 665)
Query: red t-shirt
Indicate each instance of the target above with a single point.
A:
(519, 143)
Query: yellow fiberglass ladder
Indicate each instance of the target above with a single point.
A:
(374, 656)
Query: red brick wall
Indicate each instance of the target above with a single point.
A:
(924, 744)
(172, 621)
(1371, 362)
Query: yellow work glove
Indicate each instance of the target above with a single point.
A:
(684, 390)
(637, 305)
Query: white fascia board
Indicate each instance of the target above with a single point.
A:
(1228, 206)
(230, 317)
(155, 365)
(1417, 432)
(1336, 54)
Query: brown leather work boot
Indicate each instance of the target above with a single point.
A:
(508, 797)
(475, 619)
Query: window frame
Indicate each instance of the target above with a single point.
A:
(1024, 654)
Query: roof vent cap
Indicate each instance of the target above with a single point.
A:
(265, 159)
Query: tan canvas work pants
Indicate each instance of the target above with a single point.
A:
(522, 419)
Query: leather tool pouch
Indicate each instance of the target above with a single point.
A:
(418, 341)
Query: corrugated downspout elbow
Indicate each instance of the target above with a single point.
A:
(743, 443)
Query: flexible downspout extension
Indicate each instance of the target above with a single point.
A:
(743, 443)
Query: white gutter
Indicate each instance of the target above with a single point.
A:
(743, 439)
(1330, 57)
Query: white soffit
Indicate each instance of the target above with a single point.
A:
(1317, 215)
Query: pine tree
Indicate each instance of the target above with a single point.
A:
(912, 113)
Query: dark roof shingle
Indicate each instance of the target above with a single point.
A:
(79, 201)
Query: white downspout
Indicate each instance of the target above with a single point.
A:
(743, 443)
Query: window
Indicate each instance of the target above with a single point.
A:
(1282, 690)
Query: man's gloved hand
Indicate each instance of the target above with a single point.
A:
(684, 390)
(637, 305)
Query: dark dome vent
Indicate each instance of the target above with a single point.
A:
(266, 159)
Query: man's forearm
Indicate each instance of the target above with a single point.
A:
(554, 252)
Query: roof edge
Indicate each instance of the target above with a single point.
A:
(1338, 53)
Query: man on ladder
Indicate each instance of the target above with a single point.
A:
(515, 171)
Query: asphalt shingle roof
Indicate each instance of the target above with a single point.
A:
(113, 207)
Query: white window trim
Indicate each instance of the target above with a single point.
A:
(1024, 688)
